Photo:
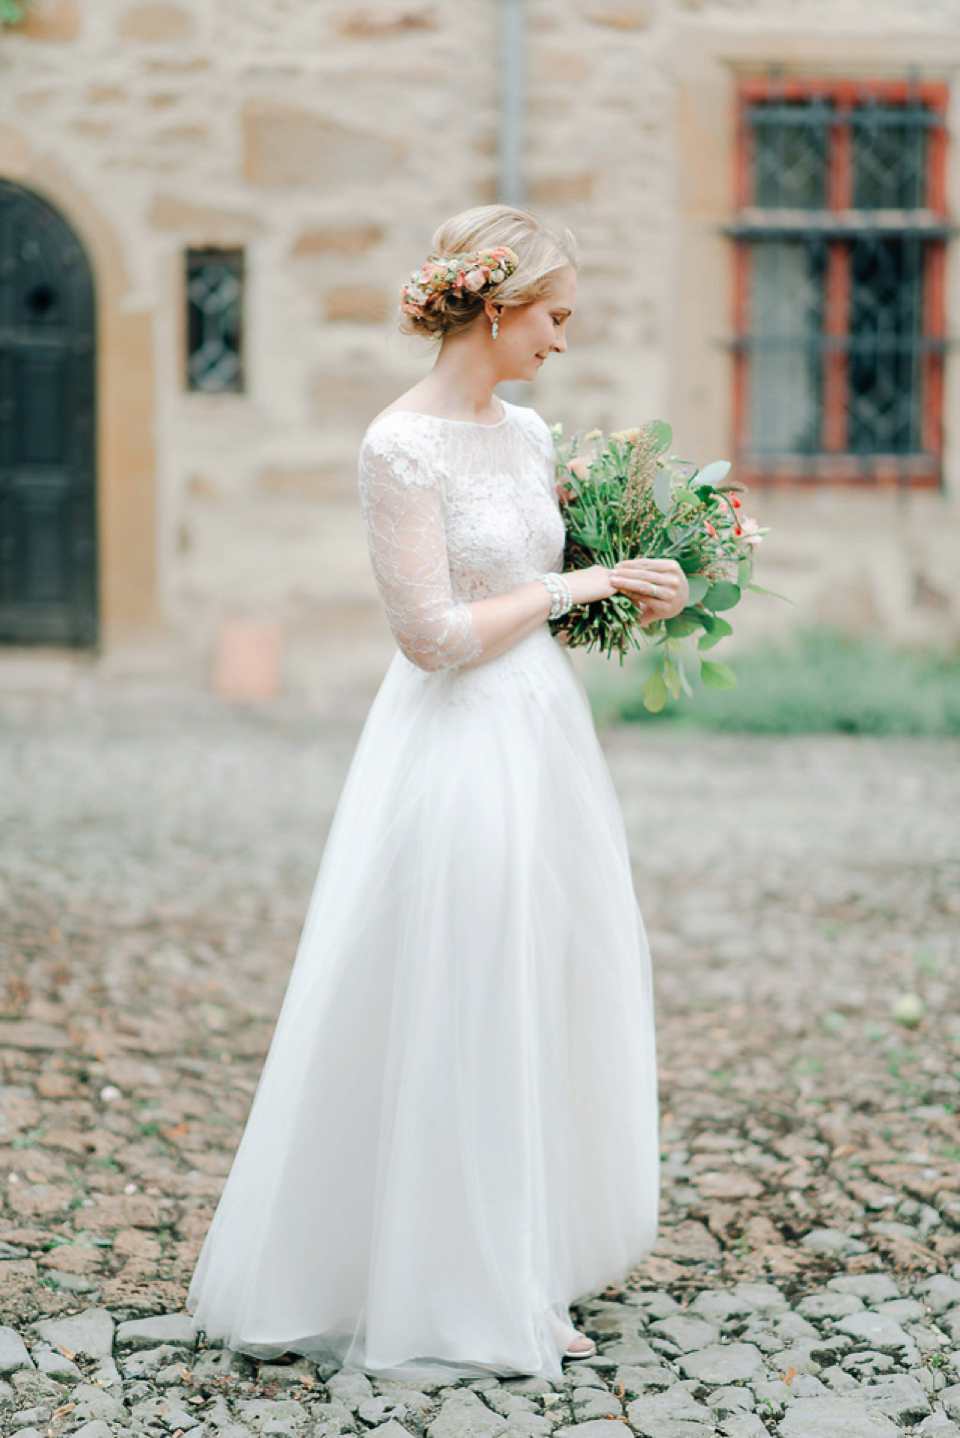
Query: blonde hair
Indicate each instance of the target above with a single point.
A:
(541, 250)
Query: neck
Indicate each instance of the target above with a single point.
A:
(462, 381)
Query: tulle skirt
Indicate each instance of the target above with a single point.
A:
(455, 1128)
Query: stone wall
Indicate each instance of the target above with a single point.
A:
(329, 137)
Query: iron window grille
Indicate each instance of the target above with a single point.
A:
(840, 244)
(215, 292)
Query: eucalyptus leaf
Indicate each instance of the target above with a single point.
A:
(759, 589)
(707, 641)
(681, 625)
(661, 491)
(661, 435)
(671, 677)
(713, 474)
(744, 572)
(717, 676)
(723, 594)
(713, 624)
(654, 692)
(698, 585)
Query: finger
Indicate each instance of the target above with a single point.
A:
(656, 589)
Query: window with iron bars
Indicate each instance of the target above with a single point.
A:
(214, 286)
(840, 238)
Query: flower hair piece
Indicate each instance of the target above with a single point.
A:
(473, 273)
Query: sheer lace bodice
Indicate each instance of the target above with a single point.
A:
(456, 512)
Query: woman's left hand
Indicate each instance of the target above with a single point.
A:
(658, 587)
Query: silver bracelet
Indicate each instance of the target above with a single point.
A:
(561, 595)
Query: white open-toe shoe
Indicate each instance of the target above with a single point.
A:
(564, 1334)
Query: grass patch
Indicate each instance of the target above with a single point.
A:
(820, 682)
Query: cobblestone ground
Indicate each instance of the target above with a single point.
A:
(155, 863)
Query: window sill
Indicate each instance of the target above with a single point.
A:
(853, 471)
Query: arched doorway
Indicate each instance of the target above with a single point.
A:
(48, 560)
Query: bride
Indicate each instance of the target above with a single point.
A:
(455, 1132)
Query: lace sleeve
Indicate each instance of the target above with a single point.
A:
(402, 510)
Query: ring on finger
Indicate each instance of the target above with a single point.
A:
(654, 591)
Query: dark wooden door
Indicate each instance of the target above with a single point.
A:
(48, 561)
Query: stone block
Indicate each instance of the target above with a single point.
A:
(941, 1292)
(829, 1305)
(872, 1288)
(560, 189)
(875, 1330)
(163, 1328)
(287, 146)
(384, 20)
(14, 153)
(155, 21)
(45, 1200)
(359, 304)
(340, 397)
(718, 1306)
(31, 1036)
(13, 1352)
(120, 1210)
(568, 67)
(72, 1258)
(763, 1298)
(246, 666)
(723, 1363)
(627, 15)
(743, 1425)
(665, 1413)
(835, 1418)
(690, 1241)
(593, 1428)
(52, 1362)
(832, 1241)
(19, 1268)
(899, 1396)
(337, 239)
(728, 1185)
(53, 20)
(322, 481)
(89, 1333)
(686, 1331)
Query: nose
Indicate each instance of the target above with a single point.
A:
(559, 343)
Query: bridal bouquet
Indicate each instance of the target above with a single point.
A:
(626, 496)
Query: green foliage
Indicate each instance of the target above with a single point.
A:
(12, 11)
(626, 496)
(820, 682)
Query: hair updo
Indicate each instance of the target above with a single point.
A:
(541, 253)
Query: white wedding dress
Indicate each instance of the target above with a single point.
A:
(455, 1129)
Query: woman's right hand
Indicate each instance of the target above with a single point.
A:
(587, 585)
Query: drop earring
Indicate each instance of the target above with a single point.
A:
(495, 328)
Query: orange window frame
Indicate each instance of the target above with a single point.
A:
(834, 464)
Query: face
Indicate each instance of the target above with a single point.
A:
(529, 333)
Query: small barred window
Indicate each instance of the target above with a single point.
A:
(215, 292)
(840, 234)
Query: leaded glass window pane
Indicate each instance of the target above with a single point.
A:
(886, 325)
(215, 320)
(790, 156)
(785, 349)
(889, 159)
